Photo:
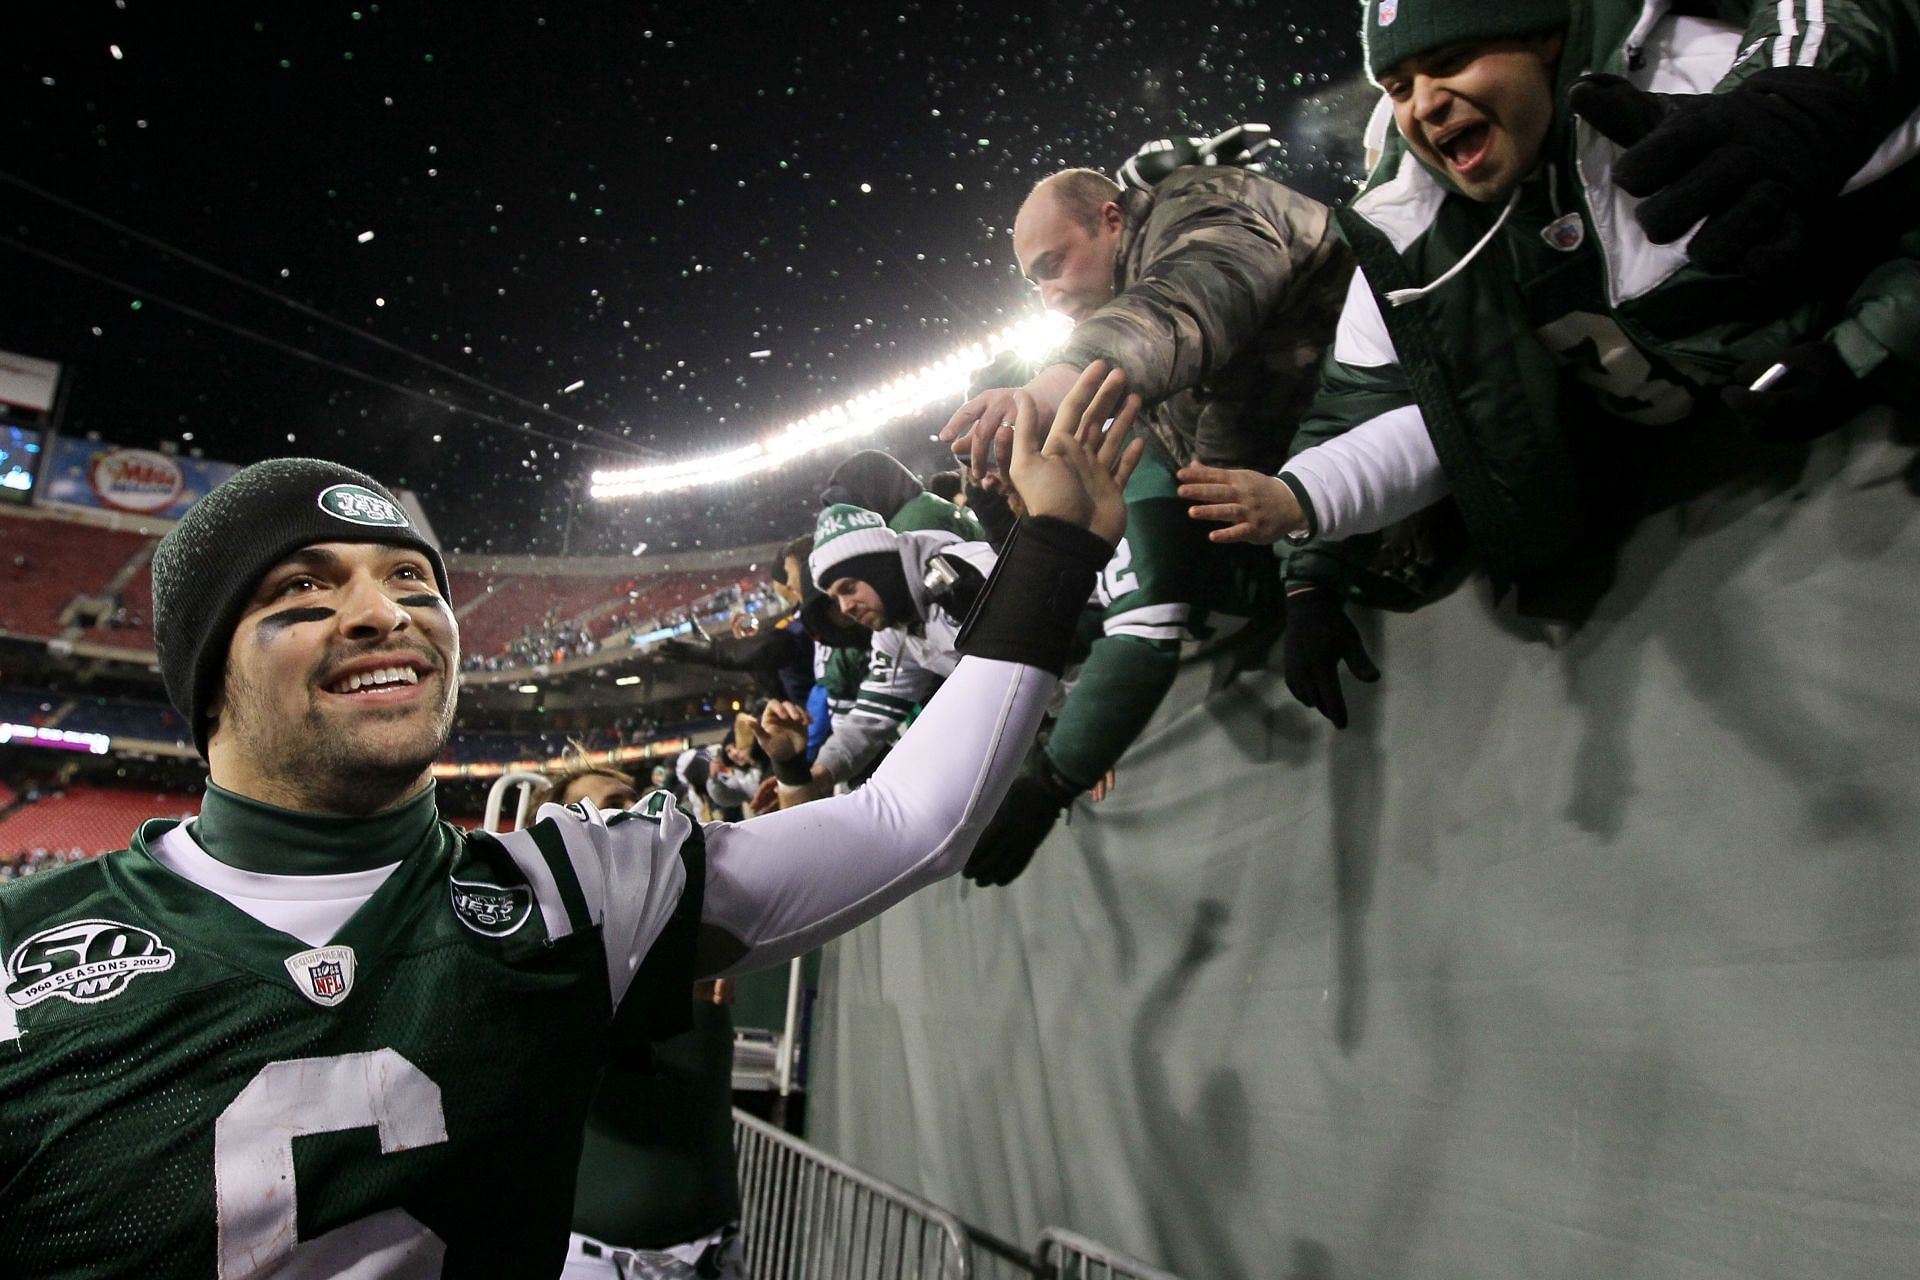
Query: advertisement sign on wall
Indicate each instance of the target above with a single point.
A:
(85, 473)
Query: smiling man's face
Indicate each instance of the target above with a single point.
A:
(1479, 112)
(339, 686)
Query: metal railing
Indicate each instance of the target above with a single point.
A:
(1062, 1255)
(807, 1216)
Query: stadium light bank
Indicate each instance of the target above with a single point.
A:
(866, 413)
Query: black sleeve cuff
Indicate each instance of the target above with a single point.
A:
(1306, 509)
(794, 771)
(1033, 600)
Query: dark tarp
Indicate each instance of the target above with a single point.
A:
(1586, 952)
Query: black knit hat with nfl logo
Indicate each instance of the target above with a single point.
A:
(206, 568)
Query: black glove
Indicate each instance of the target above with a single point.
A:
(1813, 393)
(1760, 163)
(1038, 797)
(1318, 636)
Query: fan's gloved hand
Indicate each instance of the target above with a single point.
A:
(1036, 800)
(1318, 637)
(1758, 163)
(1803, 392)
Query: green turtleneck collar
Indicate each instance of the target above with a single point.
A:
(255, 836)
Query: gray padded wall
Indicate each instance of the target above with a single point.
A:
(1581, 954)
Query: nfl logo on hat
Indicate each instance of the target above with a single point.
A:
(1389, 10)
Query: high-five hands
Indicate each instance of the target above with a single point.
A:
(1253, 506)
(980, 429)
(781, 730)
(1078, 472)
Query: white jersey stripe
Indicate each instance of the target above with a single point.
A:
(9, 1020)
(1145, 632)
(526, 855)
(1177, 611)
(1783, 43)
(1816, 32)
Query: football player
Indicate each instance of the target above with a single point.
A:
(320, 1032)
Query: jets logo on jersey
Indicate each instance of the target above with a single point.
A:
(324, 974)
(86, 962)
(492, 909)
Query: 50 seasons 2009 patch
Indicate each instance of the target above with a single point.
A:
(87, 961)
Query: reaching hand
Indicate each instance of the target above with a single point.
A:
(1036, 800)
(1759, 163)
(782, 730)
(766, 797)
(982, 429)
(1254, 506)
(1317, 638)
(973, 427)
(1078, 474)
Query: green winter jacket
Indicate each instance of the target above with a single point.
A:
(1488, 355)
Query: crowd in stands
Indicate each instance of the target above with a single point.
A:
(49, 824)
(634, 611)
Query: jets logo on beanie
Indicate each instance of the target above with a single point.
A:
(1395, 30)
(206, 568)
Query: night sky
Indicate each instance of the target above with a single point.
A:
(633, 197)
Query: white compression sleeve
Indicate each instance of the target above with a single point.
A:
(786, 882)
(1365, 479)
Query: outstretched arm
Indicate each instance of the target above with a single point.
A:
(782, 884)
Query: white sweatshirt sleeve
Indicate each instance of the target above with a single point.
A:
(786, 882)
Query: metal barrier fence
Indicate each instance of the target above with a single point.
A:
(1062, 1255)
(805, 1215)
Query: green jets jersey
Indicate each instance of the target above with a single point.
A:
(1167, 590)
(189, 1092)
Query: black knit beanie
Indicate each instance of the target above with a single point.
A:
(206, 568)
(1394, 30)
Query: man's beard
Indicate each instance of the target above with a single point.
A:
(336, 768)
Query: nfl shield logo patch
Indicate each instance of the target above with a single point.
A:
(328, 980)
(1389, 10)
(324, 974)
(1565, 233)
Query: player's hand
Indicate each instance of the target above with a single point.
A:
(1754, 168)
(1103, 788)
(1253, 506)
(1078, 473)
(766, 798)
(782, 730)
(1317, 638)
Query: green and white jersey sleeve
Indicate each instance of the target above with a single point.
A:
(623, 873)
(1167, 591)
